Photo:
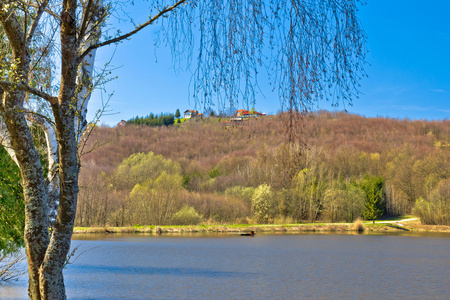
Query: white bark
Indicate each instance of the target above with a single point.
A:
(53, 171)
(85, 82)
(52, 181)
(5, 141)
(86, 70)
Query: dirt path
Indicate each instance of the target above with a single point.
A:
(397, 221)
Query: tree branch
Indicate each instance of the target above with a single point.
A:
(47, 10)
(38, 119)
(33, 27)
(86, 14)
(12, 28)
(139, 28)
(9, 85)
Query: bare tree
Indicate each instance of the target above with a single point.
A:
(312, 49)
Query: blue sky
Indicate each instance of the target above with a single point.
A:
(409, 57)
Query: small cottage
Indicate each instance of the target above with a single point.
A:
(245, 113)
(192, 114)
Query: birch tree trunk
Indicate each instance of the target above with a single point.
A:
(64, 111)
(46, 253)
(35, 196)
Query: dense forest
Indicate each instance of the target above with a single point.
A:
(209, 172)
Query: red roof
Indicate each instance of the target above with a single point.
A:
(246, 112)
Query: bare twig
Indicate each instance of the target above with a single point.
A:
(139, 28)
(47, 10)
(35, 23)
(9, 266)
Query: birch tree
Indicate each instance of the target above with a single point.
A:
(311, 50)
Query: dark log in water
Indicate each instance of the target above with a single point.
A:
(252, 233)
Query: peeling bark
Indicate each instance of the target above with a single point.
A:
(86, 70)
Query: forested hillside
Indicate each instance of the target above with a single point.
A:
(209, 172)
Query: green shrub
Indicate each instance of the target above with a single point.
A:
(186, 216)
(263, 204)
(214, 173)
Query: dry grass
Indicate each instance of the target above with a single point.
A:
(358, 225)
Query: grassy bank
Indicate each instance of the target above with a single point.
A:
(394, 226)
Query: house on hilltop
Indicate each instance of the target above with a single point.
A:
(192, 114)
(122, 123)
(243, 113)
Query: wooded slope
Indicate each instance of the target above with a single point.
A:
(219, 171)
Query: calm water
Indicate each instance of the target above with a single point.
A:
(229, 266)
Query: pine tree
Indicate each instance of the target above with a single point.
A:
(373, 189)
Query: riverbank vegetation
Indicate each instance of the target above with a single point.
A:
(403, 224)
(214, 173)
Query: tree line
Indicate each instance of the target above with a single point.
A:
(153, 120)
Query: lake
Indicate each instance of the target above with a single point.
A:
(266, 266)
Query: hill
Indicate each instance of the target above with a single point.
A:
(205, 171)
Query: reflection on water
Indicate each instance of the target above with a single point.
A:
(267, 266)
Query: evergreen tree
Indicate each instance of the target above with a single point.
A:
(177, 113)
(373, 189)
(152, 120)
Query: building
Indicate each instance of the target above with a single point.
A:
(122, 123)
(246, 114)
(192, 114)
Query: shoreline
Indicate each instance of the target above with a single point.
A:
(383, 226)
